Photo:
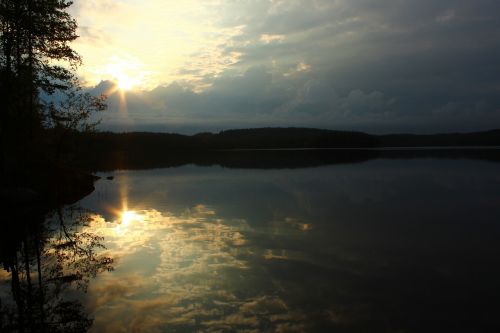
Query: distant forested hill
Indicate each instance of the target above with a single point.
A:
(487, 138)
(108, 151)
(276, 138)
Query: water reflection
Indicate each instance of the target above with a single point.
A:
(188, 272)
(47, 267)
(171, 270)
(384, 246)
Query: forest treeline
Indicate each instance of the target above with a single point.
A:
(270, 148)
(278, 138)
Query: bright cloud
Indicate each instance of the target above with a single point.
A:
(213, 64)
(171, 40)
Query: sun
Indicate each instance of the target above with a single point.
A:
(123, 80)
(125, 83)
(125, 74)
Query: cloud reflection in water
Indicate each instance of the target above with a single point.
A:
(379, 246)
(185, 272)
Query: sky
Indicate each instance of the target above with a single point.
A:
(384, 66)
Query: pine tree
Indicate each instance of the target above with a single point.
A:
(36, 56)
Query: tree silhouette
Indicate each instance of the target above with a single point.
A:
(36, 57)
(45, 264)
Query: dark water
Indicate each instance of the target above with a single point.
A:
(379, 246)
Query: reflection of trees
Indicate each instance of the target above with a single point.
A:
(49, 271)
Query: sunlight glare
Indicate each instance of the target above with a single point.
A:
(126, 222)
(128, 216)
(125, 83)
(125, 74)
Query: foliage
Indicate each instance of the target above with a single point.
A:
(74, 250)
(48, 268)
(36, 57)
(74, 111)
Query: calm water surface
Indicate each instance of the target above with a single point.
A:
(379, 246)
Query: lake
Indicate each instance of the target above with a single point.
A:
(382, 245)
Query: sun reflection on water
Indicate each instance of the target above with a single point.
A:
(126, 219)
(192, 271)
(183, 271)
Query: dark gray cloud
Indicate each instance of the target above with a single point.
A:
(419, 66)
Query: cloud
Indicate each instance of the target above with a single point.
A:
(384, 66)
(258, 96)
(360, 103)
(271, 38)
(446, 17)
